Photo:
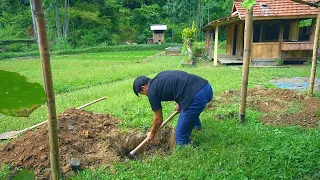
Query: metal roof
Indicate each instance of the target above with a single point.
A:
(158, 27)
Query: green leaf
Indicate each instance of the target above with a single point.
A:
(24, 175)
(248, 3)
(18, 97)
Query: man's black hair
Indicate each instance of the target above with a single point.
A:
(138, 82)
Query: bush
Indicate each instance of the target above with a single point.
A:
(60, 44)
(119, 48)
(18, 45)
(101, 48)
(198, 48)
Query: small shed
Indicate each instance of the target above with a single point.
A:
(278, 30)
(157, 33)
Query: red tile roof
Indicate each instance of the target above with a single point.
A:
(276, 8)
(268, 10)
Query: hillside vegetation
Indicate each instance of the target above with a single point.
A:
(87, 23)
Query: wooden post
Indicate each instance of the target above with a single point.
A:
(314, 54)
(207, 41)
(216, 35)
(313, 29)
(240, 40)
(246, 60)
(210, 45)
(281, 40)
(261, 32)
(48, 83)
(294, 31)
(229, 45)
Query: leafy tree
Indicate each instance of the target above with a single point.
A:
(142, 19)
(90, 22)
(248, 3)
(111, 11)
(131, 4)
(189, 36)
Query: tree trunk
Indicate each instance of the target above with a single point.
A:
(246, 61)
(66, 19)
(315, 54)
(34, 25)
(48, 83)
(57, 18)
(189, 49)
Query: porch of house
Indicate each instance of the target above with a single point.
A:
(272, 40)
(230, 60)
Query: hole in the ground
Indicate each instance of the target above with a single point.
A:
(124, 143)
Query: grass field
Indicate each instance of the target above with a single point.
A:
(223, 150)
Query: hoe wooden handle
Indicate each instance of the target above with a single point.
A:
(145, 141)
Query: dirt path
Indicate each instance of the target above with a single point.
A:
(279, 106)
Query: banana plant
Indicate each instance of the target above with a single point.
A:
(18, 97)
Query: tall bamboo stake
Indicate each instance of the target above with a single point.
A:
(314, 54)
(246, 61)
(48, 83)
(215, 60)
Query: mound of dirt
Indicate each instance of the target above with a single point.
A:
(280, 106)
(93, 139)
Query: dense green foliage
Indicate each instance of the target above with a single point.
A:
(86, 23)
(223, 150)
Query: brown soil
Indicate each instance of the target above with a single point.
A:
(279, 106)
(94, 139)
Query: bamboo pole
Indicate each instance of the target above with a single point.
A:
(246, 60)
(216, 35)
(314, 54)
(48, 83)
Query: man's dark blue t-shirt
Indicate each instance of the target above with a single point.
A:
(177, 86)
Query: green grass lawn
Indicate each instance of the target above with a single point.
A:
(223, 150)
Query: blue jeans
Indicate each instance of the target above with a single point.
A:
(189, 118)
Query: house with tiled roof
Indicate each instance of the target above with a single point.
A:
(282, 29)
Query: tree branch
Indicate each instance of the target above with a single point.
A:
(306, 3)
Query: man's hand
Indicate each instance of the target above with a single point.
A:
(150, 136)
(177, 108)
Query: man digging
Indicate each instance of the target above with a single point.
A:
(190, 92)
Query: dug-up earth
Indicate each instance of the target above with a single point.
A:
(280, 107)
(86, 140)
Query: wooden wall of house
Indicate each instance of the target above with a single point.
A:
(229, 43)
(306, 45)
(158, 37)
(297, 55)
(265, 50)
